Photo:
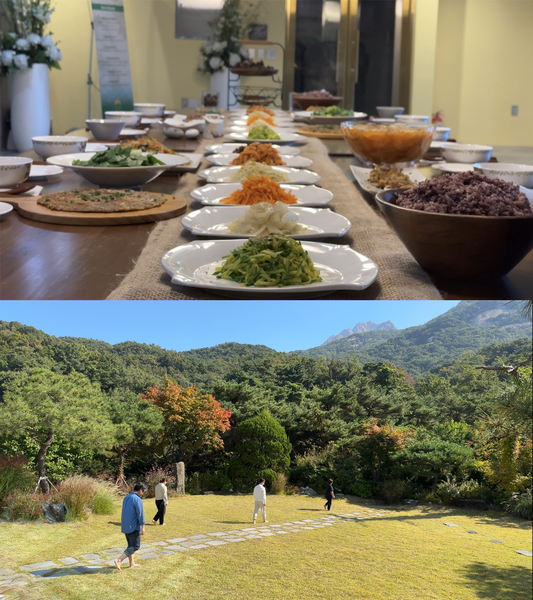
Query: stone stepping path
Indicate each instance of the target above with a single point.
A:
(91, 563)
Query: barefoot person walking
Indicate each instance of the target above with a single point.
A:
(161, 501)
(260, 498)
(132, 523)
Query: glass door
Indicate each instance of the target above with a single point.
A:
(351, 48)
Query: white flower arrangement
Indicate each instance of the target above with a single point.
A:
(225, 50)
(27, 45)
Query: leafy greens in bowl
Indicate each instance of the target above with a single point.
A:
(119, 156)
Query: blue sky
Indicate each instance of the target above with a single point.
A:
(281, 325)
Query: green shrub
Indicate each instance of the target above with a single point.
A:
(394, 490)
(520, 505)
(363, 489)
(20, 506)
(278, 483)
(14, 476)
(448, 491)
(105, 500)
(77, 494)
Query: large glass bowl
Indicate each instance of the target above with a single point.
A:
(398, 145)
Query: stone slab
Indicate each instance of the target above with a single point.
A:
(114, 551)
(235, 539)
(470, 531)
(266, 533)
(85, 570)
(147, 555)
(218, 533)
(69, 561)
(198, 537)
(41, 565)
(253, 537)
(165, 551)
(7, 571)
(144, 550)
(178, 540)
(216, 543)
(188, 543)
(159, 543)
(524, 552)
(89, 556)
(496, 541)
(450, 525)
(41, 572)
(281, 532)
(177, 548)
(198, 547)
(54, 573)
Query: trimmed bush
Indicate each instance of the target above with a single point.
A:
(83, 495)
(105, 500)
(520, 505)
(363, 489)
(20, 506)
(394, 490)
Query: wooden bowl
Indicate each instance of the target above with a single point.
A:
(459, 246)
(304, 102)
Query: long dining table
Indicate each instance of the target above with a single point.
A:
(42, 261)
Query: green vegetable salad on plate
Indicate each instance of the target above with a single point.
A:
(332, 111)
(120, 157)
(263, 132)
(271, 261)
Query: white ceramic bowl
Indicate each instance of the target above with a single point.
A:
(441, 134)
(382, 120)
(150, 110)
(388, 112)
(465, 153)
(184, 125)
(118, 176)
(412, 118)
(14, 170)
(517, 174)
(105, 129)
(52, 145)
(130, 117)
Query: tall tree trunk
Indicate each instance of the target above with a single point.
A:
(41, 463)
(121, 481)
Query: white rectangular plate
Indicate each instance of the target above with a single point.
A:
(214, 221)
(285, 138)
(296, 162)
(306, 195)
(224, 174)
(361, 175)
(230, 148)
(194, 163)
(341, 268)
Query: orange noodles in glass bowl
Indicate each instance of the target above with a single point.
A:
(397, 144)
(259, 189)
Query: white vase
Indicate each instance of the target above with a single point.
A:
(30, 105)
(220, 82)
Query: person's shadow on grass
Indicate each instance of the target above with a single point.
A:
(113, 523)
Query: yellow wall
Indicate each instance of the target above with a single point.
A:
(423, 56)
(483, 67)
(163, 68)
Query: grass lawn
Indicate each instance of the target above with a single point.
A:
(408, 554)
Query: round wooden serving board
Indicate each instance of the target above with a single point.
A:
(329, 135)
(28, 207)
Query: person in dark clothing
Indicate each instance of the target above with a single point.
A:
(330, 494)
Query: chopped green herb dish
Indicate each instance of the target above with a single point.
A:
(119, 156)
(272, 261)
(333, 111)
(263, 132)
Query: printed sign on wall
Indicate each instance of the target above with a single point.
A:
(113, 57)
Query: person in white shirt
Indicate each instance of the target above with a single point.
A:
(161, 501)
(260, 498)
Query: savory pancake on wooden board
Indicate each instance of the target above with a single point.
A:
(101, 200)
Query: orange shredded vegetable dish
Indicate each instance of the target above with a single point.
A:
(258, 152)
(260, 108)
(260, 189)
(255, 118)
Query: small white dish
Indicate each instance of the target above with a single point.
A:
(361, 175)
(96, 147)
(465, 153)
(224, 174)
(150, 110)
(168, 114)
(43, 171)
(517, 174)
(5, 208)
(228, 148)
(445, 167)
(105, 129)
(296, 162)
(117, 176)
(306, 195)
(127, 132)
(214, 221)
(151, 120)
(441, 134)
(130, 117)
(412, 118)
(52, 145)
(14, 170)
(389, 112)
(184, 125)
(244, 129)
(193, 162)
(285, 138)
(341, 268)
(382, 121)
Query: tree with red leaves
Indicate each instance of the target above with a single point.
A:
(192, 419)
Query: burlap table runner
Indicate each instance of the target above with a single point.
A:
(399, 278)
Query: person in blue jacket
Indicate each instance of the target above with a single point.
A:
(132, 523)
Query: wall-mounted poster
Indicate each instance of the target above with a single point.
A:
(113, 57)
(193, 18)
